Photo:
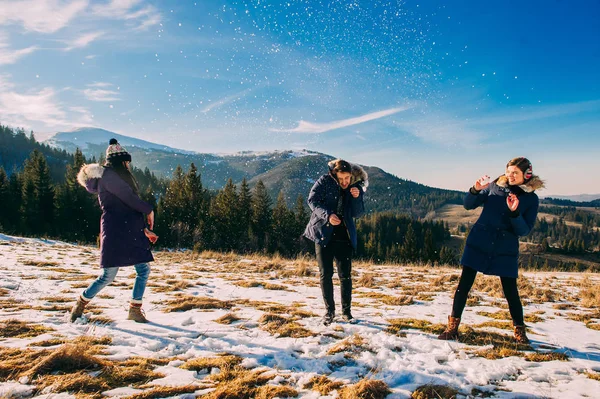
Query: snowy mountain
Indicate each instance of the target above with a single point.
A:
(86, 136)
(293, 172)
(229, 326)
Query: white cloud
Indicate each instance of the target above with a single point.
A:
(100, 84)
(83, 41)
(38, 107)
(227, 100)
(101, 95)
(44, 16)
(309, 127)
(10, 56)
(125, 9)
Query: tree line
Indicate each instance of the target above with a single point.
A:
(234, 218)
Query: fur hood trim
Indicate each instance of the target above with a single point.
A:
(359, 175)
(91, 171)
(535, 183)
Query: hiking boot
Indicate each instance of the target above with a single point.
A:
(451, 331)
(521, 335)
(328, 318)
(78, 308)
(136, 313)
(347, 317)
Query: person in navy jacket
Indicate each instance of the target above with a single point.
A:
(510, 208)
(335, 200)
(124, 238)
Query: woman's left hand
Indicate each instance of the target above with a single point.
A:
(512, 201)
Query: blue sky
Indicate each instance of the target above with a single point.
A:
(436, 92)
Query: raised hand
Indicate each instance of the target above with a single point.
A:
(334, 219)
(482, 183)
(512, 201)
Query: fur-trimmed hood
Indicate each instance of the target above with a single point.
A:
(91, 171)
(359, 175)
(535, 183)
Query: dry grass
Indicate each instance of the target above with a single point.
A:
(400, 300)
(266, 286)
(430, 391)
(272, 307)
(57, 299)
(303, 314)
(397, 325)
(589, 294)
(185, 303)
(39, 263)
(323, 385)
(13, 328)
(546, 357)
(366, 389)
(498, 353)
(367, 280)
(528, 291)
(275, 391)
(173, 285)
(4, 292)
(240, 383)
(352, 345)
(164, 392)
(15, 361)
(225, 361)
(283, 326)
(503, 325)
(69, 358)
(483, 338)
(593, 375)
(505, 315)
(227, 319)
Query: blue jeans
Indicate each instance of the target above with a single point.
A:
(108, 275)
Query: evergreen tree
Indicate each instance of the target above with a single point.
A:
(4, 199)
(283, 226)
(77, 211)
(224, 215)
(410, 252)
(245, 215)
(38, 195)
(261, 215)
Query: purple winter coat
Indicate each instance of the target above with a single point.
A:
(122, 238)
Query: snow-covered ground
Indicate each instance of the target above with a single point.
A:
(37, 276)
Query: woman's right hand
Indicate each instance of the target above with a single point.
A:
(151, 236)
(482, 183)
(334, 219)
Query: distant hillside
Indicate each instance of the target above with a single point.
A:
(567, 202)
(294, 173)
(86, 136)
(576, 198)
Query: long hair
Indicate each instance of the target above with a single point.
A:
(124, 174)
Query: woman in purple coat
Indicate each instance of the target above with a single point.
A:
(510, 208)
(124, 238)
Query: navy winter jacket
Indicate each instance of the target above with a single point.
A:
(323, 200)
(492, 246)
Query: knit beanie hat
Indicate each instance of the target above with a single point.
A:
(115, 153)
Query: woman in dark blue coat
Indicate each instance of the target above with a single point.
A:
(124, 238)
(510, 208)
(335, 200)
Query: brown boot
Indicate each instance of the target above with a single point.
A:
(136, 313)
(451, 331)
(78, 308)
(521, 335)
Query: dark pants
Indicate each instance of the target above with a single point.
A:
(509, 286)
(341, 251)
